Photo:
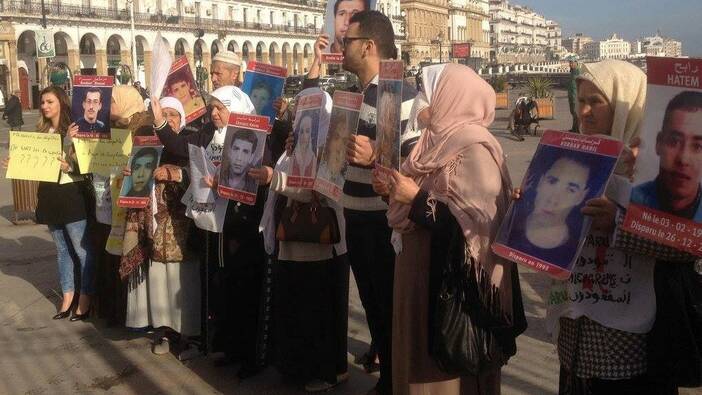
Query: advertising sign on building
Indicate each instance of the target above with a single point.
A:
(45, 43)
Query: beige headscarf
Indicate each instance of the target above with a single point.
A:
(624, 85)
(462, 107)
(126, 101)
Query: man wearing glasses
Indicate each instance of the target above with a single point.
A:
(369, 39)
(92, 104)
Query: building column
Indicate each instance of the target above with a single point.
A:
(147, 68)
(14, 71)
(207, 64)
(73, 60)
(264, 57)
(289, 62)
(300, 63)
(42, 77)
(277, 59)
(101, 61)
(191, 60)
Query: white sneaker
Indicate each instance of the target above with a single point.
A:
(162, 347)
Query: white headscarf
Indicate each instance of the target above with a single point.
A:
(430, 79)
(172, 102)
(234, 99)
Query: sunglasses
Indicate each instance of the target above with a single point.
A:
(346, 40)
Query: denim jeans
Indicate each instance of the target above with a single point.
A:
(80, 242)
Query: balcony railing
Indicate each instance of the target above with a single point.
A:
(58, 10)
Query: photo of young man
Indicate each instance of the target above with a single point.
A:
(676, 188)
(242, 155)
(92, 104)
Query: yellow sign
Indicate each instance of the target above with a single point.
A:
(101, 156)
(34, 156)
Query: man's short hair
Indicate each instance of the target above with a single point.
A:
(246, 135)
(689, 101)
(92, 90)
(366, 5)
(376, 26)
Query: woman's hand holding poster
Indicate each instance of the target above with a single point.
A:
(665, 201)
(333, 162)
(544, 228)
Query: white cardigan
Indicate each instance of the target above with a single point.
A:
(298, 251)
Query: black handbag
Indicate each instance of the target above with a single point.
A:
(461, 342)
(309, 223)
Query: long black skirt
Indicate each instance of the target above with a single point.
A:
(311, 318)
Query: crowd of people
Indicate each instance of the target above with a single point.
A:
(443, 310)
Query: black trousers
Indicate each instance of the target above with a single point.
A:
(640, 385)
(372, 260)
(235, 297)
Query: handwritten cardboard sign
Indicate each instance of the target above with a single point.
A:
(34, 156)
(102, 156)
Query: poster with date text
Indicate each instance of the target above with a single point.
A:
(331, 170)
(306, 131)
(243, 150)
(544, 229)
(389, 116)
(264, 84)
(180, 84)
(143, 161)
(665, 199)
(90, 105)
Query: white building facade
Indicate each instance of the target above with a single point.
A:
(612, 48)
(94, 36)
(657, 46)
(517, 34)
(469, 22)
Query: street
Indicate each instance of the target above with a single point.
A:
(41, 356)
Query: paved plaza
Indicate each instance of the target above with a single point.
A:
(42, 356)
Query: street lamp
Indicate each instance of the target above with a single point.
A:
(438, 40)
(134, 51)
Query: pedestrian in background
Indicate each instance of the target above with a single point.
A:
(573, 93)
(13, 111)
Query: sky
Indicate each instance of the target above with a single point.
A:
(630, 19)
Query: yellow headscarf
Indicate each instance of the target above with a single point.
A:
(126, 101)
(624, 85)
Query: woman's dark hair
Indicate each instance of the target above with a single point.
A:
(377, 27)
(45, 124)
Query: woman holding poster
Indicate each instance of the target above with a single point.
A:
(167, 297)
(62, 205)
(456, 172)
(603, 312)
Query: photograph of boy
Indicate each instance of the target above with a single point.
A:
(676, 188)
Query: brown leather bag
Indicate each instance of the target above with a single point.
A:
(309, 223)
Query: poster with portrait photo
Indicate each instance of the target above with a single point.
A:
(331, 170)
(389, 116)
(136, 188)
(243, 150)
(264, 84)
(336, 24)
(180, 84)
(545, 229)
(90, 106)
(306, 131)
(665, 200)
